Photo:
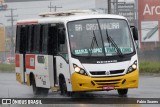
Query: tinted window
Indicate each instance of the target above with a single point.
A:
(18, 38)
(36, 38)
(45, 39)
(21, 39)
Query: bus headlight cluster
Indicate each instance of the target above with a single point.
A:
(132, 67)
(79, 70)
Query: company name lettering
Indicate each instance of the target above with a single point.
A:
(151, 10)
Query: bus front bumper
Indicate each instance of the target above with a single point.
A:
(86, 83)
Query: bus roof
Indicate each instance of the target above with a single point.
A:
(60, 17)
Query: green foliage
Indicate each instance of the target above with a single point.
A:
(7, 67)
(149, 66)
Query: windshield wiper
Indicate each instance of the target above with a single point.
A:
(92, 44)
(110, 40)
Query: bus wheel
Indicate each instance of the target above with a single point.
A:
(122, 91)
(70, 94)
(63, 87)
(36, 90)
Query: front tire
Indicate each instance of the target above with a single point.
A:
(122, 92)
(63, 87)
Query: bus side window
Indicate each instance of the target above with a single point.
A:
(21, 39)
(44, 39)
(52, 39)
(36, 39)
(26, 41)
(18, 38)
(62, 43)
(23, 36)
(40, 39)
(30, 39)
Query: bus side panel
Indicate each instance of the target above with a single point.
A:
(63, 68)
(38, 65)
(19, 68)
(42, 71)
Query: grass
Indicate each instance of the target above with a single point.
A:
(7, 67)
(149, 66)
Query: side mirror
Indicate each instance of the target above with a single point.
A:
(61, 36)
(134, 32)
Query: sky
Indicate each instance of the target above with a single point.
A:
(26, 10)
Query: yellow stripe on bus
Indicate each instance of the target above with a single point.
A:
(18, 77)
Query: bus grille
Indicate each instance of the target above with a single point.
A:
(107, 82)
(104, 72)
(117, 71)
(97, 72)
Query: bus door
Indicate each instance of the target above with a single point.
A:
(20, 53)
(60, 56)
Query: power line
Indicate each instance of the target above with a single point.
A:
(12, 20)
(55, 7)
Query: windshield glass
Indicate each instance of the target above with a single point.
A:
(93, 37)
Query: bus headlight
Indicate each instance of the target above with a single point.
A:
(132, 67)
(79, 70)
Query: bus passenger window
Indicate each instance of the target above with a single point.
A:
(40, 39)
(62, 43)
(30, 39)
(36, 38)
(45, 39)
(52, 38)
(23, 39)
(26, 41)
(18, 39)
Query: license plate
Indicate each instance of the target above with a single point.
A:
(108, 88)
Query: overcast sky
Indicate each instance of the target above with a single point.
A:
(26, 10)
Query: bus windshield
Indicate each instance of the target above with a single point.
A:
(100, 37)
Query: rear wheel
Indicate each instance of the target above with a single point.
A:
(39, 90)
(44, 91)
(36, 90)
(122, 92)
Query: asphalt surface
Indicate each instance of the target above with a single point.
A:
(149, 87)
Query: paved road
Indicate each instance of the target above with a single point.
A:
(149, 87)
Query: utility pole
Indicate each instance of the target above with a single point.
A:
(12, 20)
(55, 7)
(109, 6)
(116, 6)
